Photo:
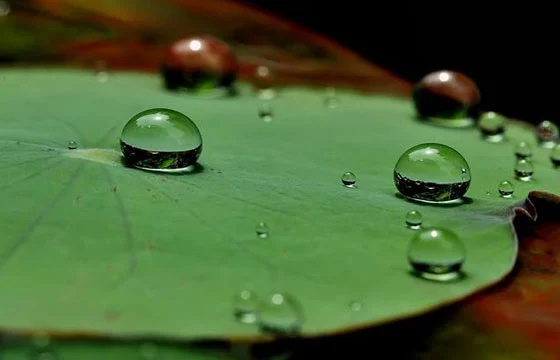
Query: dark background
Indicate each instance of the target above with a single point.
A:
(509, 50)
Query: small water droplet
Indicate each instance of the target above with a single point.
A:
(41, 340)
(348, 179)
(555, 156)
(101, 71)
(523, 170)
(506, 189)
(245, 307)
(161, 140)
(265, 112)
(263, 80)
(72, 145)
(280, 313)
(46, 356)
(436, 254)
(4, 8)
(355, 306)
(547, 134)
(492, 126)
(432, 172)
(148, 350)
(523, 150)
(413, 219)
(262, 230)
(331, 100)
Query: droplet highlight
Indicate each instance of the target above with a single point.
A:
(265, 112)
(413, 219)
(492, 126)
(246, 307)
(161, 140)
(262, 230)
(433, 173)
(547, 134)
(436, 254)
(348, 179)
(72, 145)
(523, 170)
(506, 189)
(523, 150)
(281, 314)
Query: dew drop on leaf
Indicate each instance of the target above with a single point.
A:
(492, 126)
(505, 189)
(72, 145)
(523, 170)
(523, 150)
(245, 307)
(161, 140)
(263, 80)
(280, 313)
(555, 156)
(355, 306)
(547, 134)
(432, 172)
(348, 179)
(436, 254)
(262, 230)
(148, 351)
(331, 100)
(265, 112)
(413, 219)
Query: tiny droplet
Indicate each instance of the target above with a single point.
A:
(523, 170)
(348, 179)
(331, 100)
(245, 307)
(4, 8)
(355, 306)
(262, 230)
(506, 189)
(436, 254)
(72, 145)
(265, 112)
(523, 150)
(413, 219)
(547, 134)
(148, 350)
(492, 126)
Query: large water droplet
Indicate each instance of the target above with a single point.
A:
(161, 140)
(262, 230)
(348, 179)
(523, 150)
(265, 112)
(148, 351)
(246, 307)
(280, 313)
(263, 80)
(555, 156)
(547, 134)
(72, 145)
(523, 170)
(436, 254)
(413, 219)
(506, 189)
(492, 126)
(447, 98)
(432, 172)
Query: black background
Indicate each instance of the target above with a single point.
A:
(509, 50)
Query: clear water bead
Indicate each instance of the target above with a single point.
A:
(506, 189)
(432, 172)
(262, 230)
(72, 145)
(355, 306)
(436, 254)
(555, 156)
(492, 126)
(265, 112)
(263, 80)
(331, 100)
(161, 140)
(523, 170)
(280, 313)
(523, 150)
(348, 179)
(413, 219)
(547, 134)
(245, 307)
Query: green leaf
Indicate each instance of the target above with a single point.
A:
(92, 247)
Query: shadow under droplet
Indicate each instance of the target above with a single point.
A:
(440, 278)
(465, 200)
(189, 170)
